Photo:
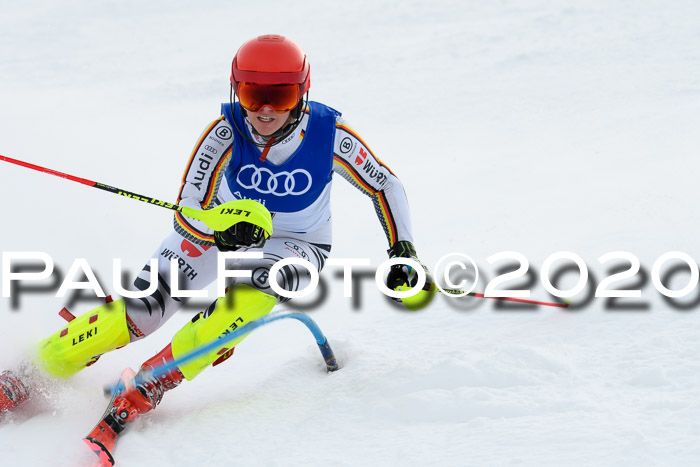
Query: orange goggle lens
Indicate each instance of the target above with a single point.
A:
(281, 97)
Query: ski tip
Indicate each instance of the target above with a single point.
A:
(106, 458)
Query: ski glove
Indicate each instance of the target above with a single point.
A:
(241, 235)
(401, 274)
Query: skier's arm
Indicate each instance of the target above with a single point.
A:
(201, 179)
(355, 162)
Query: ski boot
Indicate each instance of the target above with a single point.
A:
(12, 391)
(140, 394)
(143, 392)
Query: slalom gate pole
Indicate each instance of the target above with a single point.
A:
(321, 341)
(507, 299)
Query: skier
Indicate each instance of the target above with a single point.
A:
(273, 146)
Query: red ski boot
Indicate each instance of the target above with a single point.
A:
(12, 391)
(141, 394)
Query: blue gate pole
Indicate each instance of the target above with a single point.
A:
(321, 340)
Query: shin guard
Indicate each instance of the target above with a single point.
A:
(241, 305)
(84, 339)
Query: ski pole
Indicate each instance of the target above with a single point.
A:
(508, 299)
(219, 218)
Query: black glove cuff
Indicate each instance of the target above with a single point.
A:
(402, 249)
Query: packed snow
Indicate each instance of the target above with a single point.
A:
(527, 126)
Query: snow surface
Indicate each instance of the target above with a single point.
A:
(532, 126)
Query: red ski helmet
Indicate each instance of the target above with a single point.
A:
(271, 59)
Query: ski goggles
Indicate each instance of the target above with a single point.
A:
(281, 97)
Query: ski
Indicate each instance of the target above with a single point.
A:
(102, 439)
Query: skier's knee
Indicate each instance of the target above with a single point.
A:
(241, 305)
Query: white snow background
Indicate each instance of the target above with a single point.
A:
(531, 126)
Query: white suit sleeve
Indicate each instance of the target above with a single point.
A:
(202, 177)
(354, 161)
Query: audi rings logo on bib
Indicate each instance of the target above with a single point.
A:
(263, 180)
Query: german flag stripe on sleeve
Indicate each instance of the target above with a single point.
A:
(344, 127)
(355, 175)
(195, 151)
(215, 176)
(388, 217)
(211, 189)
(182, 221)
(381, 204)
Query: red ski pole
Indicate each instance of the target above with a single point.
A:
(507, 299)
(85, 181)
(219, 218)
